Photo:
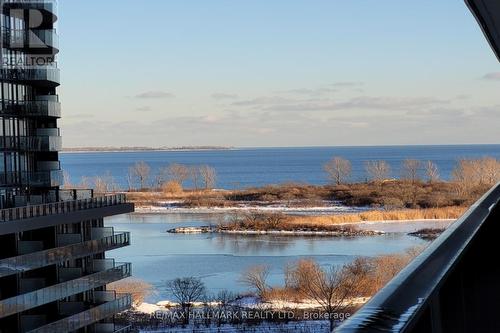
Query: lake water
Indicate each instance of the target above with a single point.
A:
(241, 168)
(219, 260)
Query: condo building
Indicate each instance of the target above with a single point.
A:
(53, 268)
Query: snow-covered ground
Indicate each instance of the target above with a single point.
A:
(291, 207)
(314, 325)
(202, 230)
(248, 302)
(319, 326)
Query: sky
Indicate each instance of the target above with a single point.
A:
(268, 73)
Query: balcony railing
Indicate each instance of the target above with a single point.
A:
(31, 143)
(100, 312)
(28, 262)
(63, 207)
(32, 108)
(49, 178)
(451, 287)
(59, 291)
(34, 41)
(44, 75)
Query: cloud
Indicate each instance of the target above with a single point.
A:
(221, 96)
(492, 76)
(155, 94)
(263, 101)
(347, 84)
(436, 123)
(389, 103)
(312, 92)
(143, 108)
(273, 103)
(79, 116)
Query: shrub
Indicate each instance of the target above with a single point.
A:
(137, 288)
(172, 187)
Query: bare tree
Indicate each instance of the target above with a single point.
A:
(141, 172)
(378, 170)
(130, 179)
(410, 170)
(187, 291)
(178, 173)
(299, 274)
(256, 278)
(104, 184)
(67, 180)
(490, 171)
(85, 183)
(195, 175)
(100, 185)
(338, 169)
(225, 300)
(208, 175)
(470, 174)
(431, 171)
(333, 289)
(464, 176)
(137, 288)
(161, 177)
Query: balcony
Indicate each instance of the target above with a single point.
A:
(58, 208)
(31, 143)
(88, 317)
(72, 195)
(48, 165)
(49, 178)
(44, 76)
(45, 41)
(39, 108)
(59, 291)
(35, 217)
(28, 262)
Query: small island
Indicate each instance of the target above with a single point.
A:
(283, 230)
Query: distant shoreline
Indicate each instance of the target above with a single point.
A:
(139, 149)
(214, 148)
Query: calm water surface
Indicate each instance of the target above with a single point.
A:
(219, 260)
(261, 166)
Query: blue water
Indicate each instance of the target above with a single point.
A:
(219, 260)
(242, 168)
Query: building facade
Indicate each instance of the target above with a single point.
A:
(53, 269)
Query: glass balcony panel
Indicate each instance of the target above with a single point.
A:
(70, 195)
(59, 291)
(28, 262)
(31, 143)
(98, 313)
(37, 108)
(62, 207)
(45, 41)
(48, 165)
(48, 76)
(48, 132)
(50, 178)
